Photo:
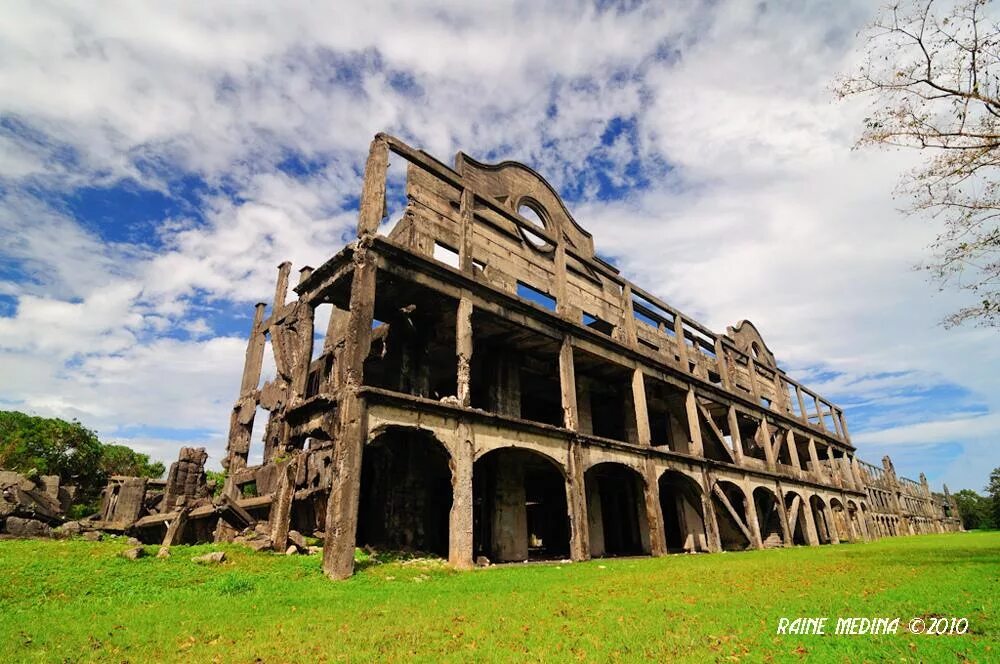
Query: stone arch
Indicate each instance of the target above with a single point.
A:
(616, 510)
(405, 491)
(856, 517)
(520, 508)
(533, 448)
(682, 503)
(768, 511)
(795, 508)
(840, 520)
(821, 518)
(730, 505)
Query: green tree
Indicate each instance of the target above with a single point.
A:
(993, 489)
(122, 460)
(974, 510)
(52, 446)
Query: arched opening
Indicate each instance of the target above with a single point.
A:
(406, 493)
(768, 511)
(795, 508)
(519, 499)
(840, 523)
(730, 506)
(683, 516)
(616, 511)
(855, 516)
(819, 514)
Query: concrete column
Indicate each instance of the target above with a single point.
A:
(814, 459)
(810, 525)
(786, 532)
(831, 525)
(371, 210)
(764, 438)
(466, 232)
(510, 517)
(803, 415)
(342, 506)
(577, 501)
(641, 414)
(722, 364)
(255, 352)
(567, 385)
(463, 350)
(460, 518)
(752, 521)
(595, 520)
(654, 511)
(708, 509)
(734, 433)
(819, 412)
(694, 426)
(281, 511)
(682, 350)
(304, 341)
(793, 451)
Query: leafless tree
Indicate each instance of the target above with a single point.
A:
(932, 69)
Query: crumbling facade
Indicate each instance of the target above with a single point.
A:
(484, 386)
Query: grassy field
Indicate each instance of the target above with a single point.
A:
(80, 601)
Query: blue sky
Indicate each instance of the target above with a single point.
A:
(158, 162)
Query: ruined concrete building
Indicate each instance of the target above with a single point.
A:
(487, 386)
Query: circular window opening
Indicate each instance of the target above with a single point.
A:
(530, 213)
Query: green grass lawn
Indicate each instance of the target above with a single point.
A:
(80, 601)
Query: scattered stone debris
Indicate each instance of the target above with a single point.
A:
(32, 505)
(213, 558)
(134, 553)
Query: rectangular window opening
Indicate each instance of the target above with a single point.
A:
(446, 255)
(534, 295)
(595, 323)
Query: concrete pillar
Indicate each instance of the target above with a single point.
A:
(466, 231)
(595, 520)
(342, 506)
(463, 350)
(654, 511)
(752, 521)
(764, 438)
(304, 341)
(567, 385)
(682, 351)
(734, 434)
(722, 364)
(643, 435)
(831, 524)
(510, 516)
(814, 460)
(786, 532)
(281, 510)
(460, 518)
(810, 525)
(255, 352)
(803, 415)
(694, 427)
(819, 412)
(793, 451)
(708, 509)
(577, 501)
